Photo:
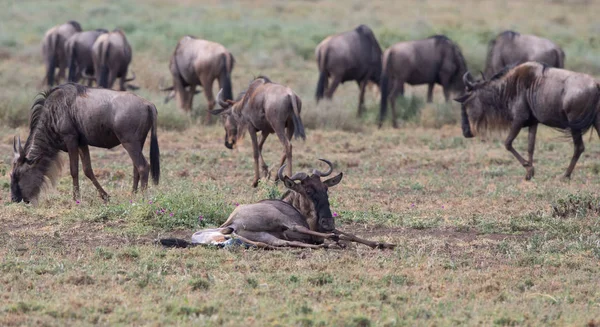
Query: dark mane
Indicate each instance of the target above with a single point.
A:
(439, 38)
(265, 78)
(508, 33)
(102, 30)
(503, 72)
(75, 25)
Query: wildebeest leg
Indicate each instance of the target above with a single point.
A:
(73, 165)
(361, 98)
(86, 162)
(530, 149)
(189, 98)
(257, 244)
(270, 239)
(397, 89)
(512, 134)
(112, 76)
(122, 81)
(287, 148)
(255, 153)
(579, 148)
(207, 85)
(263, 165)
(430, 92)
(334, 84)
(289, 134)
(349, 237)
(134, 150)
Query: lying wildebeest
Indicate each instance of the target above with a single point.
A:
(527, 95)
(434, 60)
(71, 117)
(264, 107)
(353, 55)
(78, 49)
(302, 218)
(511, 48)
(53, 50)
(112, 55)
(199, 62)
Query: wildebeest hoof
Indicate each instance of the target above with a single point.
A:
(255, 183)
(530, 173)
(105, 198)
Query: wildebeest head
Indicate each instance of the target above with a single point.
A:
(472, 109)
(24, 180)
(232, 132)
(314, 193)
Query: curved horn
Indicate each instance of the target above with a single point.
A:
(467, 79)
(327, 173)
(221, 101)
(296, 177)
(86, 76)
(482, 76)
(131, 79)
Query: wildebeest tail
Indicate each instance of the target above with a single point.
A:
(384, 88)
(296, 108)
(52, 46)
(322, 75)
(103, 55)
(175, 243)
(154, 151)
(226, 76)
(560, 58)
(72, 65)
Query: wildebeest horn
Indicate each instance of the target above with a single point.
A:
(17, 148)
(221, 101)
(86, 76)
(131, 79)
(324, 174)
(467, 79)
(296, 177)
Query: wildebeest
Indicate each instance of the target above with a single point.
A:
(71, 117)
(433, 60)
(199, 62)
(53, 49)
(527, 95)
(302, 218)
(511, 48)
(112, 55)
(353, 55)
(264, 107)
(78, 49)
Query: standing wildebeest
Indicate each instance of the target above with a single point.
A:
(71, 117)
(353, 55)
(199, 62)
(264, 107)
(78, 49)
(527, 95)
(511, 48)
(434, 60)
(112, 55)
(53, 49)
(302, 218)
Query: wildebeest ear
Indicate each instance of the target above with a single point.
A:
(17, 148)
(218, 111)
(334, 180)
(462, 98)
(289, 183)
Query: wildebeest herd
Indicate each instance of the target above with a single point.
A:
(524, 84)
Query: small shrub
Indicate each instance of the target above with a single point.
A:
(199, 284)
(321, 279)
(439, 115)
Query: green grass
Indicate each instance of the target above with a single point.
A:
(477, 245)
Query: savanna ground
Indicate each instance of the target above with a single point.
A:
(477, 245)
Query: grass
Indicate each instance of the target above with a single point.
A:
(477, 245)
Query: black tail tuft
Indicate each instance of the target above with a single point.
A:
(322, 76)
(72, 64)
(154, 150)
(103, 80)
(226, 78)
(52, 61)
(175, 243)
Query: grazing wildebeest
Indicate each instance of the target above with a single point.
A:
(78, 49)
(264, 107)
(112, 55)
(71, 117)
(511, 48)
(53, 50)
(433, 60)
(302, 218)
(199, 62)
(527, 95)
(353, 55)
